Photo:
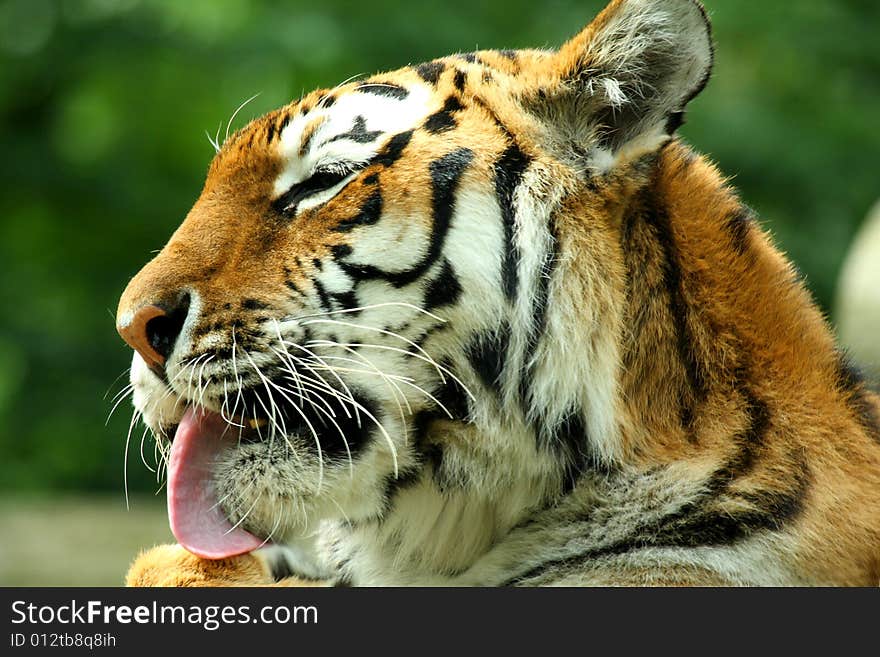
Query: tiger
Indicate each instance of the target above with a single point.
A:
(488, 321)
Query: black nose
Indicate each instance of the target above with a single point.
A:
(154, 329)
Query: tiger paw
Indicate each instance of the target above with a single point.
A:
(172, 565)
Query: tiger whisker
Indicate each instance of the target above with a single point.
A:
(192, 372)
(357, 405)
(273, 420)
(314, 435)
(330, 343)
(284, 344)
(275, 526)
(395, 391)
(341, 510)
(124, 372)
(327, 413)
(246, 513)
(235, 113)
(231, 492)
(405, 380)
(306, 395)
(239, 383)
(143, 457)
(427, 357)
(135, 416)
(319, 383)
(357, 309)
(391, 378)
(312, 354)
(122, 394)
(289, 365)
(215, 141)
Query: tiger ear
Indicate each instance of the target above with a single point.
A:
(625, 80)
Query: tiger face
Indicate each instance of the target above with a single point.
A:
(484, 320)
(379, 285)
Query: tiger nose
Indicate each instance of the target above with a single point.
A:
(153, 330)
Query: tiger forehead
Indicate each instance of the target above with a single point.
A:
(295, 124)
(349, 125)
(351, 120)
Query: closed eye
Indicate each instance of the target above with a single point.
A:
(321, 180)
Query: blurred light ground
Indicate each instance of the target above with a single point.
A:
(76, 541)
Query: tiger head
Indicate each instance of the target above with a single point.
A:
(411, 277)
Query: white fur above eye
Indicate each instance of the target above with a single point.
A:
(386, 115)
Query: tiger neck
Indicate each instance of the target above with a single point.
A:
(711, 305)
(617, 374)
(672, 343)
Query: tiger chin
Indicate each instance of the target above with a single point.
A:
(486, 321)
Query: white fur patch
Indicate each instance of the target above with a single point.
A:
(382, 114)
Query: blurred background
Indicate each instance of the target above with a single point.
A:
(104, 110)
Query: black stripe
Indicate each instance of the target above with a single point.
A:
(509, 171)
(446, 175)
(307, 142)
(700, 522)
(294, 287)
(487, 353)
(739, 227)
(392, 150)
(443, 120)
(750, 440)
(674, 121)
(358, 133)
(453, 397)
(430, 72)
(386, 89)
(460, 79)
(455, 400)
(443, 290)
(346, 300)
(493, 115)
(284, 122)
(254, 304)
(539, 314)
(323, 297)
(569, 440)
(657, 217)
(394, 486)
(770, 510)
(858, 398)
(340, 251)
(280, 569)
(369, 214)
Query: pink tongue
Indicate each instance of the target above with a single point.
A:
(196, 518)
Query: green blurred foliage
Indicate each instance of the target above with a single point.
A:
(105, 105)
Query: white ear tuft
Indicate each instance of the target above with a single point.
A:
(631, 72)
